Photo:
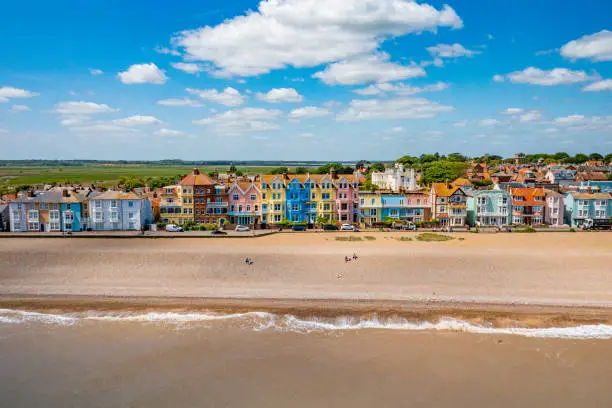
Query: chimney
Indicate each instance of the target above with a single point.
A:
(65, 193)
(30, 193)
(196, 171)
(284, 176)
(332, 173)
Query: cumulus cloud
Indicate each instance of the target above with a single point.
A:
(603, 85)
(138, 120)
(243, 120)
(530, 116)
(581, 123)
(498, 78)
(228, 97)
(143, 74)
(396, 108)
(19, 108)
(308, 112)
(489, 122)
(189, 67)
(104, 128)
(167, 51)
(8, 92)
(571, 119)
(168, 132)
(450, 51)
(95, 71)
(596, 47)
(278, 95)
(367, 69)
(82, 108)
(556, 76)
(512, 111)
(400, 89)
(180, 102)
(307, 33)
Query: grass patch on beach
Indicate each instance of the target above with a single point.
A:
(404, 238)
(431, 237)
(526, 229)
(349, 239)
(369, 238)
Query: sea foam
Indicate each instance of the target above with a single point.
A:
(259, 321)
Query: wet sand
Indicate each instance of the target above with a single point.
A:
(102, 364)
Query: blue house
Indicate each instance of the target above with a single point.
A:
(602, 186)
(393, 206)
(298, 199)
(72, 214)
(579, 207)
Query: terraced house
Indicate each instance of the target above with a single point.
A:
(418, 206)
(347, 197)
(116, 210)
(489, 208)
(583, 207)
(370, 208)
(527, 206)
(448, 204)
(50, 211)
(245, 204)
(273, 197)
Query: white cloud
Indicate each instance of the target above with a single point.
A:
(95, 71)
(82, 108)
(20, 108)
(400, 89)
(498, 78)
(331, 103)
(143, 74)
(581, 123)
(596, 47)
(168, 132)
(8, 92)
(228, 97)
(396, 129)
(277, 95)
(603, 85)
(74, 120)
(306, 134)
(189, 67)
(450, 51)
(103, 127)
(367, 69)
(571, 119)
(556, 76)
(550, 130)
(308, 112)
(489, 122)
(166, 51)
(490, 36)
(243, 120)
(307, 33)
(530, 116)
(512, 111)
(397, 108)
(461, 123)
(180, 102)
(138, 120)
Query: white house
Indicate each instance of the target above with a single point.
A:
(115, 210)
(395, 178)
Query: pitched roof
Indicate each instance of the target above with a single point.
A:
(117, 195)
(591, 196)
(441, 189)
(529, 194)
(196, 179)
(462, 182)
(593, 175)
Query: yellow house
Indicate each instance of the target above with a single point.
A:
(273, 195)
(323, 194)
(370, 208)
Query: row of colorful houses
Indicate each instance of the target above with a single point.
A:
(265, 200)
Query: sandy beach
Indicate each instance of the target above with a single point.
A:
(308, 270)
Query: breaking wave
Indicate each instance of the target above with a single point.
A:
(259, 321)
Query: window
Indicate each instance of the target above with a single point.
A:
(517, 198)
(442, 209)
(502, 210)
(256, 208)
(44, 206)
(113, 203)
(235, 197)
(313, 196)
(97, 204)
(539, 198)
(361, 201)
(248, 207)
(33, 215)
(555, 211)
(393, 212)
(582, 213)
(517, 220)
(536, 220)
(130, 203)
(600, 203)
(502, 200)
(54, 220)
(99, 225)
(326, 207)
(68, 217)
(600, 213)
(325, 196)
(277, 207)
(264, 207)
(517, 208)
(277, 217)
(538, 208)
(253, 197)
(294, 207)
(482, 200)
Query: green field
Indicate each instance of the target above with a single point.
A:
(107, 175)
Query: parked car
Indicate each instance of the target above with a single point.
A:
(219, 232)
(348, 227)
(242, 228)
(411, 226)
(173, 228)
(299, 228)
(330, 227)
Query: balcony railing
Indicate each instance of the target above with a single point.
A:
(216, 205)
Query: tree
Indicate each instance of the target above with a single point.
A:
(561, 156)
(608, 158)
(595, 156)
(428, 158)
(456, 157)
(407, 160)
(232, 169)
(377, 167)
(238, 173)
(580, 158)
(278, 170)
(440, 171)
(301, 170)
(322, 220)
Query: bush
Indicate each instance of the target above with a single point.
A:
(572, 229)
(526, 229)
(369, 238)
(404, 239)
(349, 239)
(431, 237)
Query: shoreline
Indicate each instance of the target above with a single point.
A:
(494, 314)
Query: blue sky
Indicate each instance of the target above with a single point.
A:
(303, 79)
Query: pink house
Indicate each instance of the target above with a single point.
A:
(418, 205)
(347, 197)
(244, 204)
(554, 208)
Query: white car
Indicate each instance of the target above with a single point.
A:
(347, 227)
(242, 228)
(173, 228)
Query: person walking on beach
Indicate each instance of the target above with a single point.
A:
(354, 256)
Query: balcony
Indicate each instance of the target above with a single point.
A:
(216, 205)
